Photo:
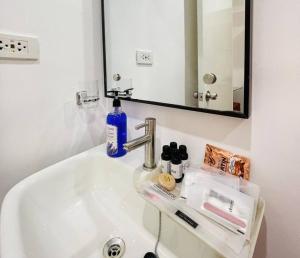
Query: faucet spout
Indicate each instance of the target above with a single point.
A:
(138, 142)
(148, 140)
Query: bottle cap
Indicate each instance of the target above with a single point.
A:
(183, 152)
(173, 145)
(166, 149)
(182, 149)
(166, 153)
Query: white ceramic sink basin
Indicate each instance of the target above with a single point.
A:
(73, 208)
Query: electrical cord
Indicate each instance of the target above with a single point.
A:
(158, 235)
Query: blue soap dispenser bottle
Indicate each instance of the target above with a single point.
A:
(116, 130)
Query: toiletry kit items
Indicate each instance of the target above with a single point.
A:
(184, 156)
(166, 159)
(227, 162)
(167, 181)
(224, 206)
(174, 160)
(176, 166)
(219, 200)
(116, 126)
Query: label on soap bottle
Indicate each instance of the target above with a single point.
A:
(177, 171)
(112, 139)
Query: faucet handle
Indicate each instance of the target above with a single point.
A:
(140, 126)
(149, 122)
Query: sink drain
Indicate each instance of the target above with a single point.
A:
(114, 248)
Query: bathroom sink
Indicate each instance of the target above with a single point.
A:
(87, 207)
(73, 208)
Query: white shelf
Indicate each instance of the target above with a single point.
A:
(217, 237)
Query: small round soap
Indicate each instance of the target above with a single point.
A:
(167, 181)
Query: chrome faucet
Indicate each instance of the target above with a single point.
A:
(148, 140)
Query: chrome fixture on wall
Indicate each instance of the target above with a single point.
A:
(83, 98)
(127, 93)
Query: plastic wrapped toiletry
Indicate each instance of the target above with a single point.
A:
(228, 162)
(214, 233)
(226, 206)
(200, 188)
(237, 183)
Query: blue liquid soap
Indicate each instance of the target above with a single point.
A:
(116, 124)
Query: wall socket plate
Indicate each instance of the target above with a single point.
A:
(13, 46)
(144, 57)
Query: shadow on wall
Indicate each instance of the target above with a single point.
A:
(92, 30)
(261, 246)
(230, 131)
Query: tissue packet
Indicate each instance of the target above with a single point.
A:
(227, 162)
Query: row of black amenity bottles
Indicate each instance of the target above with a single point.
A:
(174, 160)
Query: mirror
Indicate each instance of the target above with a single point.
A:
(189, 54)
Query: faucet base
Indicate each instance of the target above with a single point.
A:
(149, 168)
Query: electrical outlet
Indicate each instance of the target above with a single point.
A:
(18, 47)
(144, 57)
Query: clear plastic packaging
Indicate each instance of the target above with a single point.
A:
(226, 241)
(201, 189)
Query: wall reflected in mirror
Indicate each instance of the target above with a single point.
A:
(182, 52)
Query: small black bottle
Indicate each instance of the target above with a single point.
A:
(176, 167)
(173, 148)
(166, 159)
(184, 156)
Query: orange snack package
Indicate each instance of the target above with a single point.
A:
(227, 162)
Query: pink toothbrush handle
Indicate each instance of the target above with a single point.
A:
(224, 215)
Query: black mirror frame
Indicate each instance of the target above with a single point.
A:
(247, 70)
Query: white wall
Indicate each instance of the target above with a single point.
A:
(34, 133)
(215, 52)
(191, 52)
(271, 137)
(221, 30)
(142, 25)
(39, 122)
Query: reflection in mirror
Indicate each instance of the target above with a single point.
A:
(189, 53)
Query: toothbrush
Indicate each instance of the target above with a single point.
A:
(224, 215)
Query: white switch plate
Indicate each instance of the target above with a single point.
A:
(13, 46)
(144, 57)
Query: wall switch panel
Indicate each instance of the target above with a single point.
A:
(14, 46)
(144, 57)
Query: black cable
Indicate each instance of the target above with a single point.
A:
(158, 235)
